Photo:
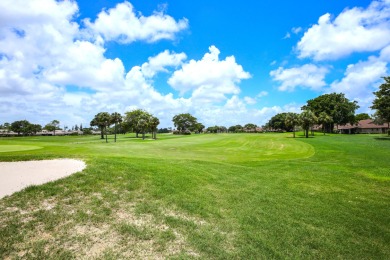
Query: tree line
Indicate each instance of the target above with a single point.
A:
(138, 121)
(330, 110)
(326, 110)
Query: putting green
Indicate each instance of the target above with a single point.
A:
(17, 148)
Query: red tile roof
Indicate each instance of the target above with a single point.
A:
(363, 124)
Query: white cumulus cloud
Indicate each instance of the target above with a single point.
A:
(353, 30)
(209, 78)
(308, 76)
(360, 80)
(161, 61)
(124, 25)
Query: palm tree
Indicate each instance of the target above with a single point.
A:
(101, 120)
(143, 125)
(292, 120)
(153, 123)
(324, 119)
(116, 118)
(307, 118)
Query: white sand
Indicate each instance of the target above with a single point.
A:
(15, 176)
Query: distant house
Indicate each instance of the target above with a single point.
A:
(366, 126)
(4, 132)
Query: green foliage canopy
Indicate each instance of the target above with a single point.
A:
(382, 101)
(336, 105)
(184, 122)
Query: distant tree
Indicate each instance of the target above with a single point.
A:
(143, 124)
(55, 124)
(6, 126)
(101, 120)
(382, 102)
(20, 126)
(52, 126)
(377, 119)
(49, 127)
(153, 123)
(87, 131)
(223, 129)
(362, 116)
(278, 122)
(81, 127)
(337, 106)
(291, 121)
(76, 127)
(35, 128)
(184, 122)
(198, 127)
(131, 120)
(116, 118)
(250, 127)
(163, 131)
(325, 120)
(212, 129)
(307, 119)
(235, 129)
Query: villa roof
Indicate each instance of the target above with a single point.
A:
(363, 124)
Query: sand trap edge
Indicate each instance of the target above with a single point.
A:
(16, 176)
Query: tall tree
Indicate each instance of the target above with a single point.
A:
(199, 127)
(101, 120)
(337, 106)
(131, 120)
(20, 126)
(153, 123)
(291, 121)
(324, 119)
(143, 124)
(35, 128)
(362, 116)
(382, 102)
(250, 127)
(278, 122)
(235, 129)
(308, 119)
(55, 124)
(116, 118)
(184, 122)
(52, 126)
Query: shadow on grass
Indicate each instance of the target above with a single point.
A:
(139, 137)
(383, 138)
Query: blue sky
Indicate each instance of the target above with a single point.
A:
(225, 62)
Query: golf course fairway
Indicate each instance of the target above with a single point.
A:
(207, 196)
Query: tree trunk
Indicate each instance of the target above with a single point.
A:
(307, 132)
(115, 132)
(388, 128)
(106, 135)
(101, 133)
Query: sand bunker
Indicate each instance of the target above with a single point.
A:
(15, 176)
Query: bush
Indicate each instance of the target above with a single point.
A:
(185, 132)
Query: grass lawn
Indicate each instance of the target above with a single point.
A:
(224, 196)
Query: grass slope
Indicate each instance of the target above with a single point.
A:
(204, 196)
